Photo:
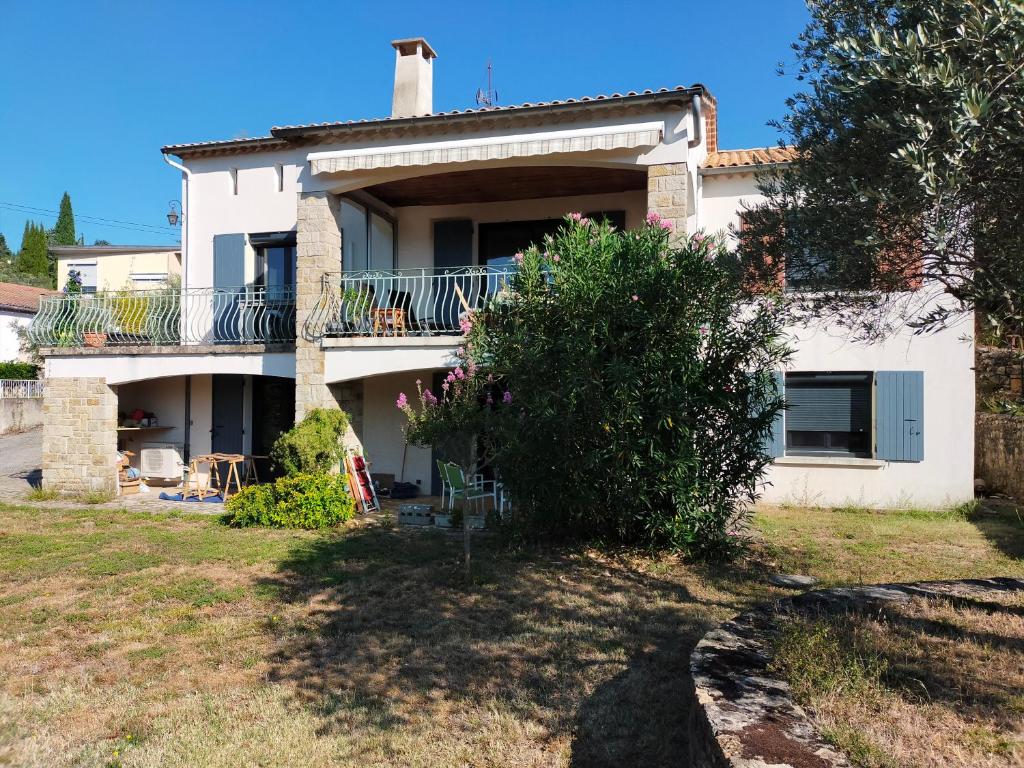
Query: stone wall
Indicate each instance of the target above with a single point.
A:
(20, 413)
(745, 716)
(1000, 375)
(79, 435)
(999, 453)
(667, 193)
(318, 251)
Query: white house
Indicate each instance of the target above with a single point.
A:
(327, 264)
(18, 305)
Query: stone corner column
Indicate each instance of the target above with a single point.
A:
(79, 436)
(318, 252)
(667, 193)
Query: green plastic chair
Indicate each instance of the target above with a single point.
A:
(476, 489)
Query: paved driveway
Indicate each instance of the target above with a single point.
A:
(20, 459)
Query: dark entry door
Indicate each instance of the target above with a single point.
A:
(228, 413)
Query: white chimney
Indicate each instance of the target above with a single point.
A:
(414, 78)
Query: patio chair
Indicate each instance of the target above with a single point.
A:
(442, 471)
(476, 489)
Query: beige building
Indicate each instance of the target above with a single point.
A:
(118, 267)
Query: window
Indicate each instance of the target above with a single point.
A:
(148, 279)
(86, 275)
(275, 259)
(828, 414)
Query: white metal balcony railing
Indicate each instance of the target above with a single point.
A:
(402, 302)
(166, 317)
(10, 388)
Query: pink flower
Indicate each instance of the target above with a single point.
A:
(584, 221)
(518, 258)
(635, 297)
(450, 378)
(428, 398)
(556, 258)
(490, 378)
(666, 224)
(445, 385)
(466, 323)
(459, 373)
(703, 330)
(576, 216)
(653, 218)
(698, 238)
(402, 400)
(507, 398)
(461, 351)
(419, 382)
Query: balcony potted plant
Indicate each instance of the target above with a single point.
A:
(94, 331)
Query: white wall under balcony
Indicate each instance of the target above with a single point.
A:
(356, 358)
(119, 367)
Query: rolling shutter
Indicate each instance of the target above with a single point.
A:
(899, 426)
(828, 403)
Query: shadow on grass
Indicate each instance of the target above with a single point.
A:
(595, 651)
(1002, 524)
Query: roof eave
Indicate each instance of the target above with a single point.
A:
(753, 168)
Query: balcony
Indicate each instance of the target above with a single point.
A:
(166, 317)
(404, 302)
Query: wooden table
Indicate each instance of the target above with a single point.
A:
(213, 460)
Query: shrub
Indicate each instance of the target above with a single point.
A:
(18, 371)
(307, 501)
(626, 386)
(312, 445)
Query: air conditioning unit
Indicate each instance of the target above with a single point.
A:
(162, 460)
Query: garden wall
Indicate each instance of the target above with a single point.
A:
(18, 414)
(999, 453)
(1000, 374)
(744, 716)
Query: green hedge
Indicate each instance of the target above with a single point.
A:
(307, 501)
(18, 371)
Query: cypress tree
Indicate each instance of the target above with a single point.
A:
(6, 257)
(33, 257)
(64, 230)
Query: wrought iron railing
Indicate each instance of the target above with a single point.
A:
(20, 388)
(402, 302)
(168, 316)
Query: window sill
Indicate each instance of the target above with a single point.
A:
(829, 461)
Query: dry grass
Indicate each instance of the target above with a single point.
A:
(927, 683)
(143, 640)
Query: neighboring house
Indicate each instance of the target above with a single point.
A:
(18, 305)
(326, 265)
(117, 267)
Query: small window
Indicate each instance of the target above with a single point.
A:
(86, 276)
(148, 279)
(828, 414)
(234, 181)
(279, 170)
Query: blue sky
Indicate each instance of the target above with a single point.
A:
(90, 91)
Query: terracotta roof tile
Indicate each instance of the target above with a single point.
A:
(742, 158)
(22, 298)
(280, 133)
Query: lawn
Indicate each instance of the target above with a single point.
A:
(132, 639)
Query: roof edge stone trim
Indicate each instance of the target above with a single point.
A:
(285, 137)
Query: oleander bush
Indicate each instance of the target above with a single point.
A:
(308, 501)
(624, 389)
(16, 370)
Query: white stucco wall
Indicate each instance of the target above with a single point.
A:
(120, 368)
(10, 348)
(946, 475)
(382, 437)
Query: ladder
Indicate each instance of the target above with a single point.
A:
(360, 483)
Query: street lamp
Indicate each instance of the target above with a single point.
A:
(174, 213)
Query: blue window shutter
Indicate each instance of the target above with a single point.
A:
(899, 419)
(228, 261)
(777, 441)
